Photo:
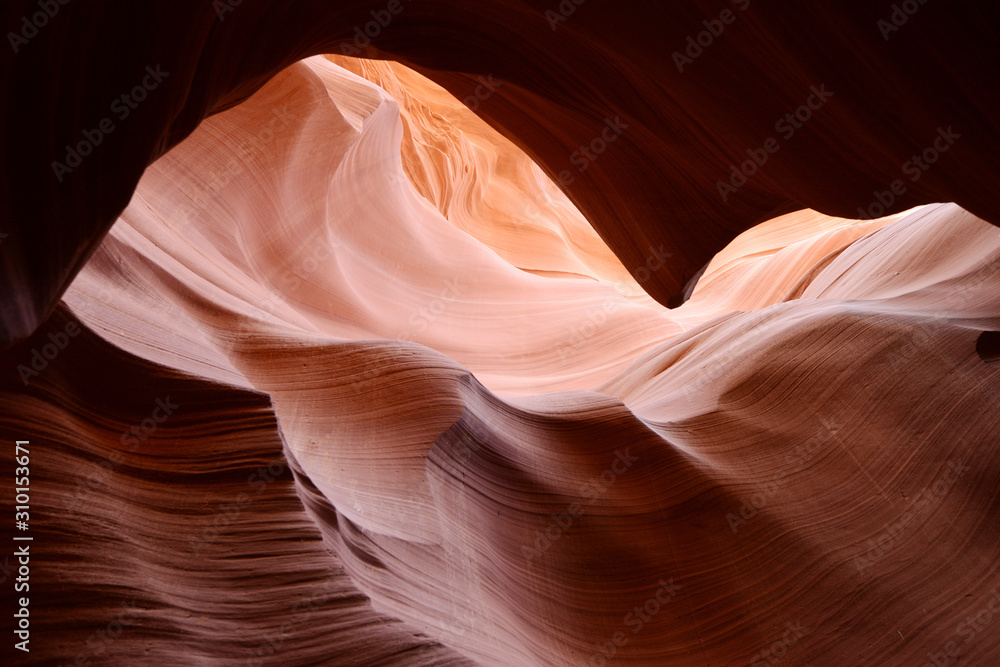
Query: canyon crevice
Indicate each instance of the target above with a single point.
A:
(503, 333)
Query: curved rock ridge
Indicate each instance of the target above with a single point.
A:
(673, 125)
(482, 177)
(166, 525)
(251, 226)
(510, 458)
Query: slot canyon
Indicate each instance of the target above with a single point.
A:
(509, 333)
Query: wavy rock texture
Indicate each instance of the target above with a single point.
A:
(553, 76)
(418, 413)
(189, 547)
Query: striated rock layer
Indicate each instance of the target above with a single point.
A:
(643, 113)
(351, 381)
